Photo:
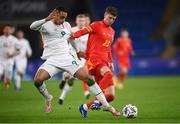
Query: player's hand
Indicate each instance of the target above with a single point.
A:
(72, 36)
(80, 55)
(10, 54)
(51, 15)
(111, 66)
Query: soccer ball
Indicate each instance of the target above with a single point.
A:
(130, 111)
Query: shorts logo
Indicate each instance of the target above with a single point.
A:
(74, 63)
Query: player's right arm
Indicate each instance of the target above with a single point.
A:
(91, 28)
(37, 25)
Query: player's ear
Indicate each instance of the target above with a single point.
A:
(105, 14)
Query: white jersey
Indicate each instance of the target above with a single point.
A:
(55, 39)
(80, 42)
(56, 47)
(25, 49)
(8, 44)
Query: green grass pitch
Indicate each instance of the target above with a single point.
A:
(157, 99)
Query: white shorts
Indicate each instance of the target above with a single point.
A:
(82, 62)
(21, 65)
(6, 68)
(54, 65)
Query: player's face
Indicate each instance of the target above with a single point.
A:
(12, 30)
(81, 22)
(88, 21)
(125, 34)
(7, 30)
(19, 34)
(60, 17)
(109, 19)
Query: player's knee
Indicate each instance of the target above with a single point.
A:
(109, 74)
(66, 75)
(71, 82)
(104, 70)
(110, 97)
(38, 80)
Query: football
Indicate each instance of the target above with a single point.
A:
(130, 111)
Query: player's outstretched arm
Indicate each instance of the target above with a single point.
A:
(80, 33)
(37, 24)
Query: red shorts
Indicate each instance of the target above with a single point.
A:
(94, 66)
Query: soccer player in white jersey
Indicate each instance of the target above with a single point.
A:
(9, 48)
(56, 32)
(80, 43)
(21, 59)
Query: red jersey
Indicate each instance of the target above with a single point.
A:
(100, 38)
(123, 47)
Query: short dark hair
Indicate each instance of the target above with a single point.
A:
(87, 15)
(112, 10)
(8, 25)
(60, 8)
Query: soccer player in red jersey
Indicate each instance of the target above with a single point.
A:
(123, 49)
(98, 55)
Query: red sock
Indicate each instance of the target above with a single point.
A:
(85, 86)
(106, 81)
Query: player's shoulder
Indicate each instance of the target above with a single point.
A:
(120, 39)
(13, 37)
(96, 23)
(67, 24)
(75, 28)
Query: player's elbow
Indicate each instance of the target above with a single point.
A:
(32, 26)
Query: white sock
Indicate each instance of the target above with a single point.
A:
(65, 91)
(18, 81)
(42, 89)
(95, 89)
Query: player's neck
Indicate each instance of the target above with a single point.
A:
(19, 38)
(6, 35)
(80, 27)
(56, 23)
(105, 24)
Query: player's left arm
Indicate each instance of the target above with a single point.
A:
(91, 28)
(110, 58)
(131, 50)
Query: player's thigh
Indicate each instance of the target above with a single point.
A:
(45, 72)
(21, 66)
(103, 69)
(82, 74)
(1, 69)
